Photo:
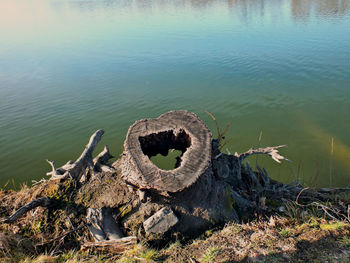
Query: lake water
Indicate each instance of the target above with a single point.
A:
(275, 69)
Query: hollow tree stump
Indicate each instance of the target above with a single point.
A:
(189, 193)
(179, 130)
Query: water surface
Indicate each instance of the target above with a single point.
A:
(280, 69)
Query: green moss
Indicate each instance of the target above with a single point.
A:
(284, 232)
(60, 192)
(210, 254)
(85, 199)
(313, 222)
(124, 210)
(37, 227)
(332, 226)
(127, 260)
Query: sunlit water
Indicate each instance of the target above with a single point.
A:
(280, 69)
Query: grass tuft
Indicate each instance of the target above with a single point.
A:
(210, 254)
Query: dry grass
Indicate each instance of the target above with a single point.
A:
(274, 240)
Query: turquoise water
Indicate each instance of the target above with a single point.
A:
(276, 68)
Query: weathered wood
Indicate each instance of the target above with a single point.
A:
(54, 173)
(101, 160)
(76, 169)
(180, 130)
(103, 157)
(42, 201)
(207, 185)
(113, 246)
(86, 156)
(272, 151)
(102, 224)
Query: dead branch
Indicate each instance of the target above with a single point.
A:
(55, 174)
(304, 189)
(103, 157)
(114, 246)
(75, 169)
(43, 201)
(272, 151)
(86, 157)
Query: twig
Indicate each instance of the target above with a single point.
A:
(304, 189)
(325, 208)
(70, 221)
(62, 236)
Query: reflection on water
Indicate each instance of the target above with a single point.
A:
(300, 9)
(68, 67)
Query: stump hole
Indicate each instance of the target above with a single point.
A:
(158, 144)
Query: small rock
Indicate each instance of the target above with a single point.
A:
(160, 222)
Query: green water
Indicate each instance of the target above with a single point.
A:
(280, 68)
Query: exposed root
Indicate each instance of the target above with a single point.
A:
(85, 162)
(103, 157)
(43, 201)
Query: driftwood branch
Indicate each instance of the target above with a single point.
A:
(54, 171)
(272, 151)
(43, 201)
(77, 168)
(114, 246)
(57, 173)
(85, 158)
(103, 157)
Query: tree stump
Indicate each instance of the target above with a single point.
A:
(179, 130)
(189, 191)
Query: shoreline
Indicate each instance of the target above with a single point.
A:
(244, 216)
